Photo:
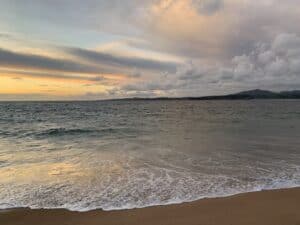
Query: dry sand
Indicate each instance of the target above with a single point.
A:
(278, 207)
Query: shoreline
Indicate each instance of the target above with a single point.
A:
(150, 205)
(267, 207)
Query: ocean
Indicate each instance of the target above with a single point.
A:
(132, 153)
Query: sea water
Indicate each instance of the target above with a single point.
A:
(132, 153)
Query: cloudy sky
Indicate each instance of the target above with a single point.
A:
(99, 49)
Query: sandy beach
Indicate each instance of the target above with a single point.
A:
(276, 207)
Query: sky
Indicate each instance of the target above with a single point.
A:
(102, 49)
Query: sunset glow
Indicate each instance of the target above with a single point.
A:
(94, 50)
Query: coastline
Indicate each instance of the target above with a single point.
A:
(270, 207)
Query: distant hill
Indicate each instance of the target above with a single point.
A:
(244, 95)
(256, 94)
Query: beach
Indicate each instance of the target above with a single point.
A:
(150, 112)
(275, 207)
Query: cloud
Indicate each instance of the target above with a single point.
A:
(28, 61)
(190, 71)
(6, 36)
(55, 75)
(216, 30)
(266, 63)
(84, 61)
(151, 86)
(80, 65)
(208, 6)
(288, 44)
(168, 47)
(121, 61)
(17, 78)
(272, 65)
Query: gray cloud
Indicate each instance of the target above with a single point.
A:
(129, 62)
(21, 60)
(208, 6)
(273, 66)
(267, 65)
(95, 63)
(190, 71)
(151, 86)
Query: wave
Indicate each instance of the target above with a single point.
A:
(112, 188)
(79, 208)
(59, 132)
(53, 132)
(64, 131)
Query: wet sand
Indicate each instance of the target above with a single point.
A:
(277, 207)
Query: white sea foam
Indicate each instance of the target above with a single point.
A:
(125, 187)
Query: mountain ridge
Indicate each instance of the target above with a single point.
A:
(243, 95)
